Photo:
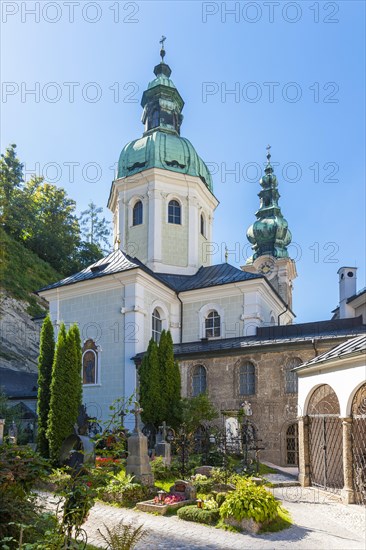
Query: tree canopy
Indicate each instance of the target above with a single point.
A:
(43, 218)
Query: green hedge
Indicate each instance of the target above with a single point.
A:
(199, 515)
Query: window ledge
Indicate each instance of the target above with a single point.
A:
(92, 385)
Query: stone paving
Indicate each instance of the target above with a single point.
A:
(320, 523)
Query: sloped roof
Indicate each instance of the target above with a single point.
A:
(213, 275)
(117, 262)
(272, 336)
(18, 384)
(354, 346)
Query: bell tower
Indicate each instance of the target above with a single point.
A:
(270, 237)
(162, 198)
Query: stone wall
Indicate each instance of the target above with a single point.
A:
(273, 409)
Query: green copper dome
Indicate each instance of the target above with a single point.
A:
(163, 150)
(269, 235)
(161, 145)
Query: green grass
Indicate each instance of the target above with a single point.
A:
(22, 272)
(282, 521)
(166, 484)
(264, 469)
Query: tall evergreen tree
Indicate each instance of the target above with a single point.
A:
(150, 387)
(66, 391)
(160, 383)
(45, 362)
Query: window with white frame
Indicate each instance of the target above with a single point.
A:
(199, 380)
(137, 213)
(212, 325)
(157, 325)
(90, 365)
(247, 379)
(174, 212)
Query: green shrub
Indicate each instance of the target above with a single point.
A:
(198, 515)
(122, 490)
(202, 483)
(160, 471)
(250, 501)
(220, 498)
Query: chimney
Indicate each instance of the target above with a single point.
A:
(347, 288)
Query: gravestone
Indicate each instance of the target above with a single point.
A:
(162, 447)
(2, 423)
(13, 433)
(138, 458)
(184, 488)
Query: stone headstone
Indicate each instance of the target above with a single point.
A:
(138, 463)
(204, 470)
(184, 488)
(2, 424)
(77, 450)
(13, 433)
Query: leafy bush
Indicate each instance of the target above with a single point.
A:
(19, 468)
(250, 501)
(160, 470)
(121, 489)
(202, 483)
(210, 504)
(198, 515)
(220, 498)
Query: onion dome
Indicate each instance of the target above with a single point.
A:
(161, 145)
(269, 235)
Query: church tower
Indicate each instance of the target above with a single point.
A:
(162, 198)
(270, 237)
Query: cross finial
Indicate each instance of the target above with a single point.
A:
(162, 51)
(226, 254)
(268, 152)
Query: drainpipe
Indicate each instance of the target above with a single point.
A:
(283, 312)
(181, 317)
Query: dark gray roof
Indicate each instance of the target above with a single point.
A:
(350, 347)
(117, 261)
(113, 263)
(275, 335)
(213, 275)
(18, 384)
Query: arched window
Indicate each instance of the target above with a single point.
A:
(174, 212)
(199, 382)
(157, 325)
(137, 214)
(247, 379)
(290, 376)
(212, 325)
(203, 228)
(90, 363)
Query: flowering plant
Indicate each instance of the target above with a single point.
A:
(171, 498)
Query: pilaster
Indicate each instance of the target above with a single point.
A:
(347, 492)
(304, 456)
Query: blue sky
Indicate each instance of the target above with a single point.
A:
(297, 70)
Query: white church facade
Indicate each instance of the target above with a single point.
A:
(159, 275)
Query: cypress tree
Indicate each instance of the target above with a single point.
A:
(45, 362)
(163, 353)
(73, 359)
(172, 383)
(66, 390)
(150, 386)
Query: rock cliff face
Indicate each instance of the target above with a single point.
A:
(19, 335)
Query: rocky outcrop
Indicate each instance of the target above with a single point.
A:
(19, 335)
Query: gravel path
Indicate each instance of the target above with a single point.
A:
(321, 522)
